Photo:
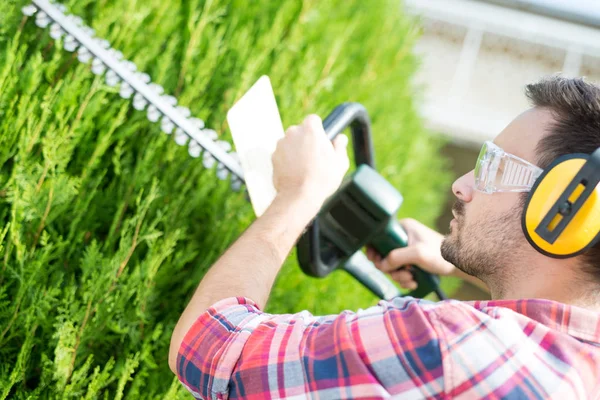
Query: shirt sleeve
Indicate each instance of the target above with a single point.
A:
(234, 350)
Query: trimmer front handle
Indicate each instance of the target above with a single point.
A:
(360, 213)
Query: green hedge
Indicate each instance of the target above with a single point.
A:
(108, 225)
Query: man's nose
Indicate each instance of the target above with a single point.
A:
(463, 187)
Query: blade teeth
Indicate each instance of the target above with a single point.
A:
(194, 149)
(98, 67)
(89, 31)
(208, 161)
(226, 146)
(210, 133)
(139, 102)
(126, 91)
(157, 88)
(112, 79)
(197, 122)
(71, 47)
(153, 114)
(222, 172)
(56, 31)
(70, 44)
(42, 20)
(84, 55)
(184, 110)
(171, 100)
(236, 184)
(130, 65)
(105, 44)
(116, 54)
(75, 20)
(142, 76)
(180, 137)
(167, 126)
(29, 10)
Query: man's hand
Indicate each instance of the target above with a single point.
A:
(423, 250)
(306, 164)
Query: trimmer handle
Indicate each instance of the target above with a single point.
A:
(395, 237)
(313, 257)
(318, 256)
(355, 116)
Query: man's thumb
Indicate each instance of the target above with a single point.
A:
(340, 143)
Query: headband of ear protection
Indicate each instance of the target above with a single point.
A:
(562, 215)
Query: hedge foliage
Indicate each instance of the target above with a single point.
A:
(108, 225)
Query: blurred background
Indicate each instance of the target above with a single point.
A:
(476, 57)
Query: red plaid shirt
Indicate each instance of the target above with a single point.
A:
(404, 349)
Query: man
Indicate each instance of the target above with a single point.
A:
(538, 338)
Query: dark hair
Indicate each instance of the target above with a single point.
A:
(575, 107)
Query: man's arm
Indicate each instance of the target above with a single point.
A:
(250, 266)
(307, 169)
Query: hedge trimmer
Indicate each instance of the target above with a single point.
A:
(137, 85)
(362, 212)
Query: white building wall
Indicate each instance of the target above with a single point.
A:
(477, 57)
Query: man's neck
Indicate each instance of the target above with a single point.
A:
(553, 281)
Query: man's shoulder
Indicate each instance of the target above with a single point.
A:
(491, 328)
(551, 347)
(455, 318)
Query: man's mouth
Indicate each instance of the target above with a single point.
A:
(456, 217)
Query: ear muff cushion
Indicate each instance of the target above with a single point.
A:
(582, 231)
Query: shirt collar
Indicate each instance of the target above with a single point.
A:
(575, 321)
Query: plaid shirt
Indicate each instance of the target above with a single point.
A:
(403, 349)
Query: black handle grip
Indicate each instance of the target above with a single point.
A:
(373, 279)
(394, 237)
(316, 257)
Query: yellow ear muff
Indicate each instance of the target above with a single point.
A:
(582, 231)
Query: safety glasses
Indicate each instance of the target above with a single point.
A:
(498, 171)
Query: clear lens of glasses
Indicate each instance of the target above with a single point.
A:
(498, 171)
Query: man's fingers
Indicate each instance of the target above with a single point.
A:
(340, 144)
(400, 257)
(314, 123)
(292, 129)
(404, 278)
(373, 256)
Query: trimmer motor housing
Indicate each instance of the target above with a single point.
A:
(362, 212)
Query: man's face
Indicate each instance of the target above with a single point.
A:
(486, 234)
